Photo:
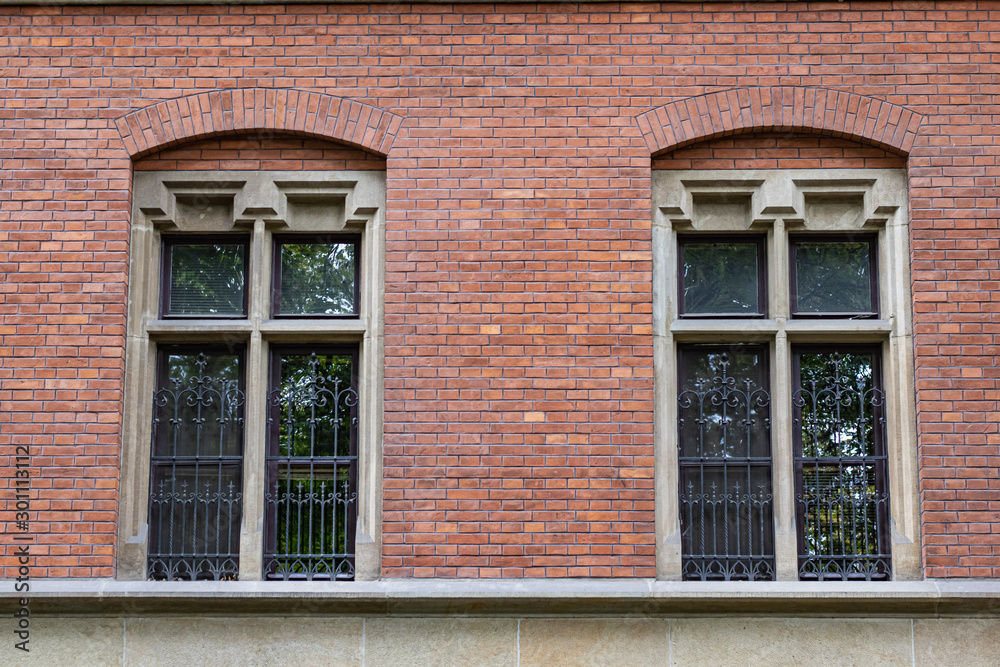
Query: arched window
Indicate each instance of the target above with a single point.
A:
(253, 408)
(786, 423)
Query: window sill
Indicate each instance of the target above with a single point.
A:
(860, 331)
(284, 329)
(581, 597)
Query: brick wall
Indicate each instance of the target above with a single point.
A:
(518, 438)
(266, 151)
(791, 150)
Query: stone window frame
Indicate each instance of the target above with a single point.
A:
(260, 204)
(777, 204)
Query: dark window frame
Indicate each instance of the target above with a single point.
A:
(278, 240)
(879, 457)
(160, 461)
(760, 240)
(167, 243)
(748, 463)
(273, 461)
(873, 282)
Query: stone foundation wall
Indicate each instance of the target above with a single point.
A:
(511, 641)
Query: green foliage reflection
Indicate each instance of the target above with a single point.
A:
(841, 510)
(206, 279)
(833, 278)
(838, 399)
(720, 278)
(317, 278)
(316, 403)
(312, 518)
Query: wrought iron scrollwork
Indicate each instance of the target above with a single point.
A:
(204, 394)
(312, 536)
(840, 410)
(311, 497)
(726, 533)
(195, 504)
(843, 505)
(726, 501)
(728, 404)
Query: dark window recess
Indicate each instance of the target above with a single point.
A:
(311, 494)
(316, 277)
(840, 462)
(834, 277)
(722, 278)
(196, 485)
(725, 464)
(204, 278)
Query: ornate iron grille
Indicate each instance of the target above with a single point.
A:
(311, 495)
(841, 497)
(725, 459)
(195, 502)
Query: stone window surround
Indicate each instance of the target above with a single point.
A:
(776, 203)
(260, 203)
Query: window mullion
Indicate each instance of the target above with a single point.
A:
(251, 535)
(785, 538)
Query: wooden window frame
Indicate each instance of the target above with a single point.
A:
(873, 287)
(318, 239)
(760, 240)
(166, 272)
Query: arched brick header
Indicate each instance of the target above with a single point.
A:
(184, 119)
(778, 109)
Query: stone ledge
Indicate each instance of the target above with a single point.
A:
(576, 597)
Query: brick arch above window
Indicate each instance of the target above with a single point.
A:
(220, 112)
(778, 109)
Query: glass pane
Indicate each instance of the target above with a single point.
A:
(841, 496)
(206, 279)
(195, 500)
(838, 405)
(309, 514)
(842, 508)
(720, 278)
(314, 405)
(726, 527)
(317, 279)
(840, 503)
(724, 405)
(833, 277)
(725, 448)
(198, 408)
(194, 521)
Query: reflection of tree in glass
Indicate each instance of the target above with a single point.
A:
(724, 411)
(841, 507)
(206, 279)
(832, 278)
(838, 399)
(312, 518)
(317, 278)
(720, 278)
(199, 406)
(186, 368)
(838, 407)
(315, 400)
